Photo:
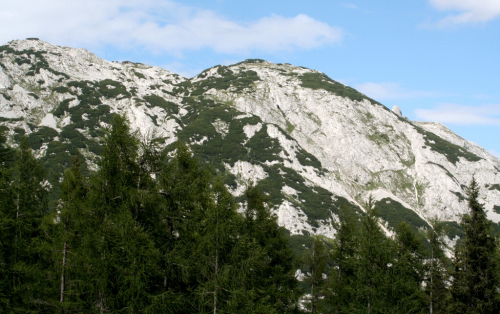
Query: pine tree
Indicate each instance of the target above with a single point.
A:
(6, 202)
(408, 272)
(64, 229)
(116, 256)
(216, 264)
(174, 212)
(436, 280)
(342, 275)
(275, 278)
(475, 279)
(315, 264)
(22, 213)
(374, 260)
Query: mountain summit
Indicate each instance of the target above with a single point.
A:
(312, 144)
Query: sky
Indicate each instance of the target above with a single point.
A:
(438, 60)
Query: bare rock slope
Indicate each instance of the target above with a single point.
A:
(312, 144)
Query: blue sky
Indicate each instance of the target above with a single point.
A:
(437, 60)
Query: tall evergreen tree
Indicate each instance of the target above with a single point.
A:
(117, 255)
(6, 202)
(374, 259)
(216, 262)
(174, 214)
(437, 277)
(408, 272)
(342, 275)
(64, 230)
(315, 263)
(475, 277)
(22, 213)
(275, 278)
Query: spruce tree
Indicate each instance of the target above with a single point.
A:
(373, 263)
(23, 209)
(6, 202)
(117, 254)
(216, 264)
(315, 263)
(64, 229)
(275, 278)
(408, 272)
(175, 210)
(475, 277)
(342, 275)
(437, 277)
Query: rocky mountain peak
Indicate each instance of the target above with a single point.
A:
(313, 144)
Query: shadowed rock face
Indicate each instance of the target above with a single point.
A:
(312, 144)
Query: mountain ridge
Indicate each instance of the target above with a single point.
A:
(312, 144)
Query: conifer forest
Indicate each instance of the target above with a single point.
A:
(155, 231)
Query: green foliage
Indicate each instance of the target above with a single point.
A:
(314, 264)
(251, 61)
(61, 89)
(453, 229)
(446, 170)
(475, 276)
(62, 107)
(316, 202)
(139, 75)
(275, 281)
(494, 187)
(25, 56)
(460, 196)
(263, 148)
(437, 279)
(395, 213)
(236, 81)
(42, 135)
(19, 131)
(451, 151)
(379, 138)
(112, 89)
(307, 159)
(20, 217)
(11, 119)
(496, 209)
(157, 101)
(321, 81)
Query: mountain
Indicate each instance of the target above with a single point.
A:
(312, 144)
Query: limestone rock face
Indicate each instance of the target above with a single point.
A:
(397, 110)
(311, 144)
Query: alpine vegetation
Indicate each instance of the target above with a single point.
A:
(255, 187)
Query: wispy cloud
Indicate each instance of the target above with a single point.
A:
(387, 90)
(467, 11)
(462, 115)
(351, 6)
(158, 26)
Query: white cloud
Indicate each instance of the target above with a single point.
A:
(469, 11)
(384, 91)
(157, 26)
(462, 115)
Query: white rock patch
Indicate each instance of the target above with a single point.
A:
(49, 121)
(221, 127)
(251, 129)
(246, 173)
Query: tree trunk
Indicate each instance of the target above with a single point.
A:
(61, 297)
